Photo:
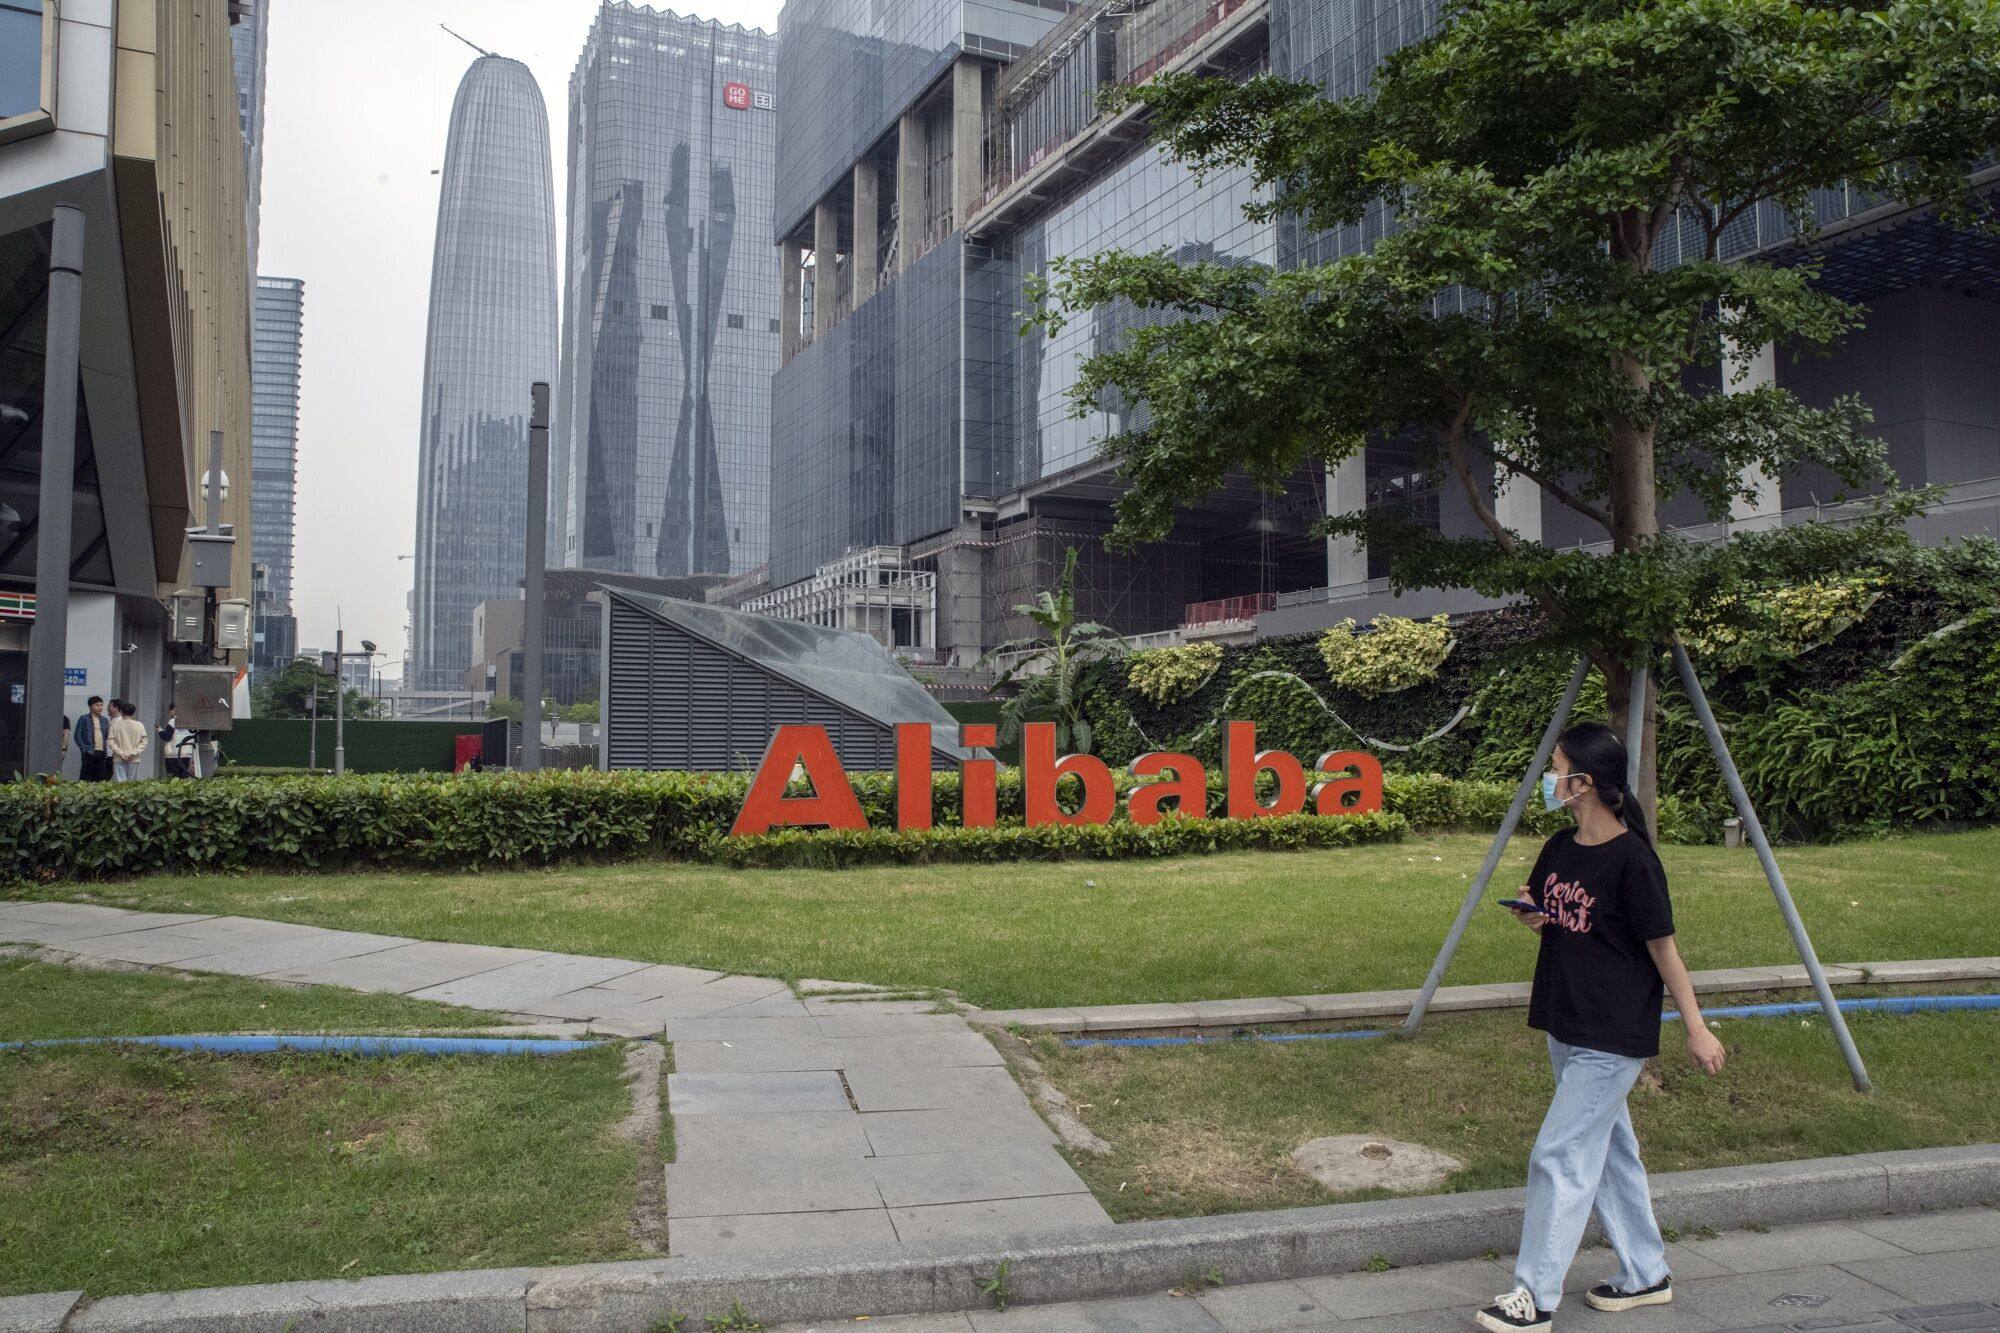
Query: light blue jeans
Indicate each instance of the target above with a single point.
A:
(1585, 1156)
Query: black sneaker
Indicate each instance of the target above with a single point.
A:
(1604, 1296)
(1513, 1312)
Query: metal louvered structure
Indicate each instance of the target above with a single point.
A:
(699, 688)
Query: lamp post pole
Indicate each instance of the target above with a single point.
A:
(531, 582)
(339, 702)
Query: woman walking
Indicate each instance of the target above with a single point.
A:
(1607, 951)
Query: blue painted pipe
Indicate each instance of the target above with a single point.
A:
(1896, 1004)
(237, 1045)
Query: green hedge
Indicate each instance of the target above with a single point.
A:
(74, 831)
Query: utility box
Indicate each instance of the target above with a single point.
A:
(202, 697)
(190, 617)
(232, 625)
(211, 553)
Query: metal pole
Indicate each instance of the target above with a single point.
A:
(1635, 719)
(339, 702)
(1741, 795)
(48, 640)
(531, 584)
(1529, 781)
(312, 729)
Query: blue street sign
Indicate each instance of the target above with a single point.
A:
(76, 675)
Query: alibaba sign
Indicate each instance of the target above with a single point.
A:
(1343, 782)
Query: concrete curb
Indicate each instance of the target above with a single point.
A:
(1081, 1264)
(1280, 1009)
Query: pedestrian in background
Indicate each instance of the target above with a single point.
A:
(176, 747)
(93, 743)
(127, 742)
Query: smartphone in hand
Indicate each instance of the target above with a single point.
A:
(1519, 905)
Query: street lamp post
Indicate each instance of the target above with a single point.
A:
(340, 656)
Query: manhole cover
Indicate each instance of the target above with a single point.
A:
(1798, 1300)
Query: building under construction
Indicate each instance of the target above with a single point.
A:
(934, 155)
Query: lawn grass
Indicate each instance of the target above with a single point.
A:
(1216, 927)
(125, 1169)
(1209, 1128)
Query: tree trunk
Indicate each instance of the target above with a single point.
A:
(1619, 680)
(1635, 523)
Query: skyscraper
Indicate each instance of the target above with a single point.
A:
(277, 330)
(250, 42)
(662, 460)
(492, 333)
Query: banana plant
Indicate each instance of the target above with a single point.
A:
(1048, 666)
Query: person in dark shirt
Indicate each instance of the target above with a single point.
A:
(1607, 954)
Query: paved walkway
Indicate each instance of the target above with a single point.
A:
(1921, 1273)
(797, 1121)
(1396, 1003)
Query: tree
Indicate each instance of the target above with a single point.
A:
(1534, 152)
(1050, 665)
(289, 692)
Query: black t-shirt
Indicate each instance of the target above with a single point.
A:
(1595, 983)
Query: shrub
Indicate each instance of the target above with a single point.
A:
(1168, 675)
(1396, 654)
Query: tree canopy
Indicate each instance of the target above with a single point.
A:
(1514, 320)
(288, 692)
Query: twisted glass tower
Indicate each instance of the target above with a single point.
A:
(492, 333)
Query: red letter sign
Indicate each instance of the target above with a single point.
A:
(913, 775)
(1246, 761)
(1188, 789)
(1041, 771)
(1360, 794)
(832, 802)
(736, 96)
(978, 802)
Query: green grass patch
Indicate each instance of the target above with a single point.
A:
(1213, 927)
(42, 1000)
(126, 1169)
(1209, 1129)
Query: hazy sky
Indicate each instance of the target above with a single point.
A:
(354, 123)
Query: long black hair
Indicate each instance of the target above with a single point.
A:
(1595, 751)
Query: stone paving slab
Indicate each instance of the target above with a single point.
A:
(42, 1313)
(519, 987)
(973, 1177)
(1934, 1233)
(1144, 1314)
(747, 1055)
(1791, 1247)
(904, 1133)
(721, 1137)
(755, 1233)
(1962, 1275)
(737, 1029)
(660, 979)
(754, 1094)
(1469, 1282)
(1788, 1295)
(86, 916)
(259, 958)
(798, 1185)
(856, 1020)
(884, 1089)
(408, 967)
(997, 1217)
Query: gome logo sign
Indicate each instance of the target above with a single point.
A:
(1342, 782)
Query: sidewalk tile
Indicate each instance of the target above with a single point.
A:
(857, 1021)
(40, 1313)
(746, 1138)
(755, 1055)
(1416, 1321)
(518, 987)
(1790, 1247)
(895, 1323)
(754, 1233)
(411, 967)
(906, 1133)
(1961, 1317)
(1142, 1314)
(881, 1089)
(1464, 1285)
(1932, 1233)
(259, 959)
(1673, 1318)
(963, 1049)
(151, 947)
(754, 1094)
(779, 1004)
(652, 982)
(971, 1177)
(776, 1185)
(998, 1217)
(586, 1003)
(1962, 1275)
(1786, 1296)
(837, 1005)
(1261, 1306)
(737, 1029)
(89, 916)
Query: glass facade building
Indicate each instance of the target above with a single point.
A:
(662, 459)
(250, 41)
(277, 331)
(492, 333)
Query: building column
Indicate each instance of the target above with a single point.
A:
(1741, 373)
(826, 263)
(791, 256)
(867, 230)
(61, 366)
(912, 180)
(968, 137)
(1347, 493)
(1517, 503)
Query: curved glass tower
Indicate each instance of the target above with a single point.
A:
(492, 334)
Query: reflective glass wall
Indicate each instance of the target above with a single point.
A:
(492, 333)
(670, 332)
(277, 327)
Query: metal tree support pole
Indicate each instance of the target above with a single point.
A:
(1529, 781)
(531, 584)
(1738, 793)
(48, 640)
(1635, 718)
(339, 701)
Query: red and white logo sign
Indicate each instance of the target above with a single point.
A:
(736, 96)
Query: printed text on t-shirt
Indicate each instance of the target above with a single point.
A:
(1568, 904)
